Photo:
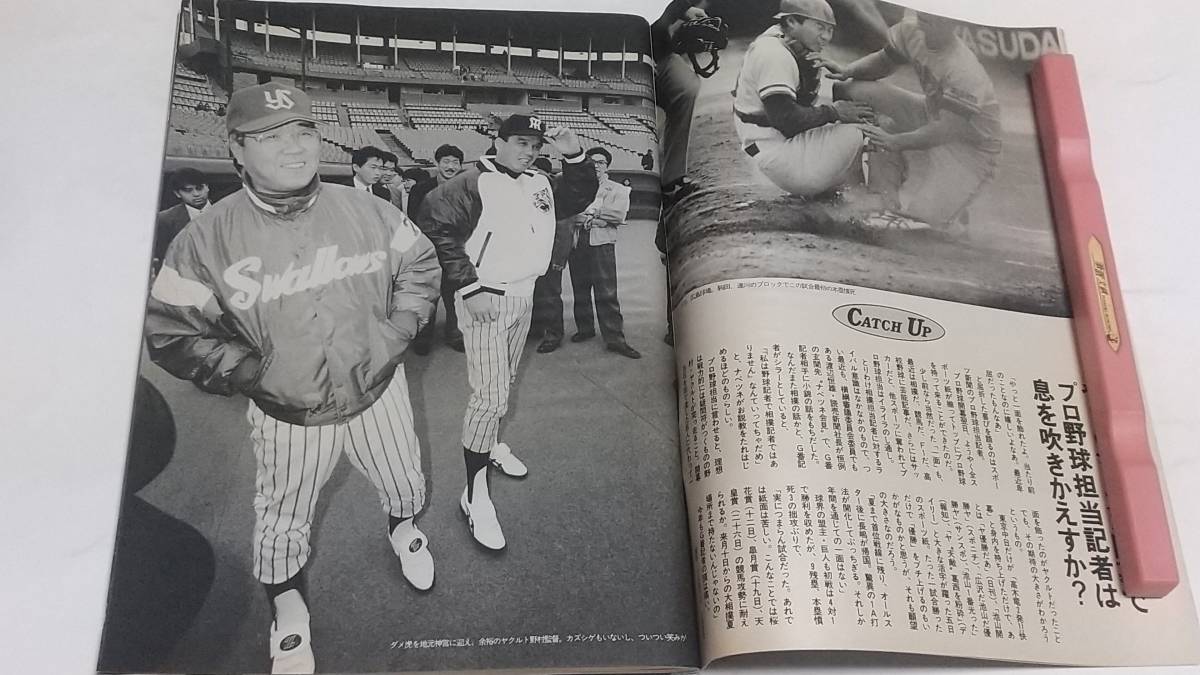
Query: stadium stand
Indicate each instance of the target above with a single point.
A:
(326, 111)
(421, 143)
(429, 116)
(376, 116)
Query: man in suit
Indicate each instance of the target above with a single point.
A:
(448, 164)
(594, 261)
(367, 164)
(191, 189)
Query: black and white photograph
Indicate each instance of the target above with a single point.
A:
(404, 402)
(862, 143)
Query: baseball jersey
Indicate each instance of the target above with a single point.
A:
(494, 230)
(306, 313)
(952, 80)
(771, 68)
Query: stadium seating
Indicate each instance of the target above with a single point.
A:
(422, 143)
(374, 116)
(429, 116)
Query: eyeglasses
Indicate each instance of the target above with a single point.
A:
(276, 137)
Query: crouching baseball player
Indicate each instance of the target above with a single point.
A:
(495, 226)
(304, 297)
(803, 147)
(937, 150)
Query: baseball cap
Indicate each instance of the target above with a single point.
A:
(266, 106)
(522, 124)
(811, 9)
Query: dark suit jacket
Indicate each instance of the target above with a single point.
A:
(382, 192)
(169, 223)
(417, 195)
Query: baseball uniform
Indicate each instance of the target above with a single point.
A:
(495, 230)
(938, 184)
(817, 159)
(308, 315)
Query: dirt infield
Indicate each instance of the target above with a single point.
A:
(739, 225)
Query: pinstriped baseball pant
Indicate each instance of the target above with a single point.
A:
(293, 463)
(493, 350)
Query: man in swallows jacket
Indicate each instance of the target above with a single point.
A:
(497, 227)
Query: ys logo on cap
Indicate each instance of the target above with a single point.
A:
(281, 100)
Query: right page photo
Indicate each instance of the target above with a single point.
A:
(883, 423)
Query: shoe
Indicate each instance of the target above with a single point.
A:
(421, 348)
(291, 644)
(582, 336)
(412, 548)
(890, 220)
(455, 342)
(549, 344)
(669, 338)
(625, 350)
(503, 459)
(481, 518)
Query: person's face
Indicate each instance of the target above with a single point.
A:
(519, 151)
(939, 31)
(601, 163)
(370, 171)
(408, 184)
(388, 174)
(449, 166)
(195, 196)
(808, 35)
(283, 159)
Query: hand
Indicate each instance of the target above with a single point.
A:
(693, 13)
(853, 112)
(834, 70)
(483, 307)
(564, 139)
(881, 139)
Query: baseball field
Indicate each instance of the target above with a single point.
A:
(739, 225)
(597, 545)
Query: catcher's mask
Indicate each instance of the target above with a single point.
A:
(702, 36)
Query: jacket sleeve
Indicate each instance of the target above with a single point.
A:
(416, 274)
(576, 188)
(614, 210)
(184, 330)
(790, 118)
(448, 215)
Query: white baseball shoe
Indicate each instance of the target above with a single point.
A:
(291, 641)
(890, 220)
(412, 548)
(481, 518)
(503, 459)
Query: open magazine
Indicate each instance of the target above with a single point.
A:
(430, 241)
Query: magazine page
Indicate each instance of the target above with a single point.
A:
(883, 424)
(366, 216)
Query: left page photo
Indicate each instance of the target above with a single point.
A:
(404, 402)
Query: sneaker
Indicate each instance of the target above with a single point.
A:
(291, 643)
(625, 350)
(890, 220)
(412, 548)
(481, 518)
(503, 459)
